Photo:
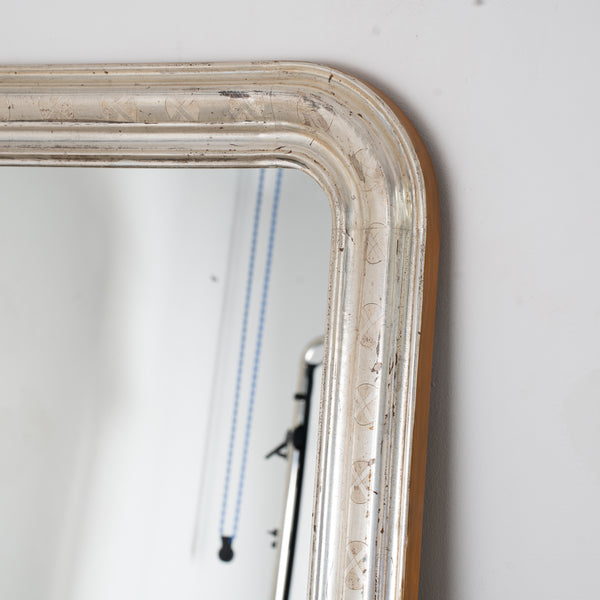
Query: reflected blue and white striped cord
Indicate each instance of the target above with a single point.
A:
(242, 350)
(257, 351)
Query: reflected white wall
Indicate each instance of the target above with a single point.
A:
(111, 284)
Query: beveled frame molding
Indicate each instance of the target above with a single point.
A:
(383, 264)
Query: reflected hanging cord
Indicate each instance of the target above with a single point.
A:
(226, 551)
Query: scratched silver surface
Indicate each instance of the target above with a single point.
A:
(341, 132)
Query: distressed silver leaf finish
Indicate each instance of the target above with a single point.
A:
(341, 132)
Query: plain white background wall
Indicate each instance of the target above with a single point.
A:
(505, 94)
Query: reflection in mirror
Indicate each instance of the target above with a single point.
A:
(122, 302)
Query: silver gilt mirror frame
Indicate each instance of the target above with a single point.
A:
(383, 263)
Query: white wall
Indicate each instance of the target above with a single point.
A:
(505, 94)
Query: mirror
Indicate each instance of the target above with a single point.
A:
(123, 295)
(382, 260)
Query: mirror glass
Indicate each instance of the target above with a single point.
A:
(127, 297)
